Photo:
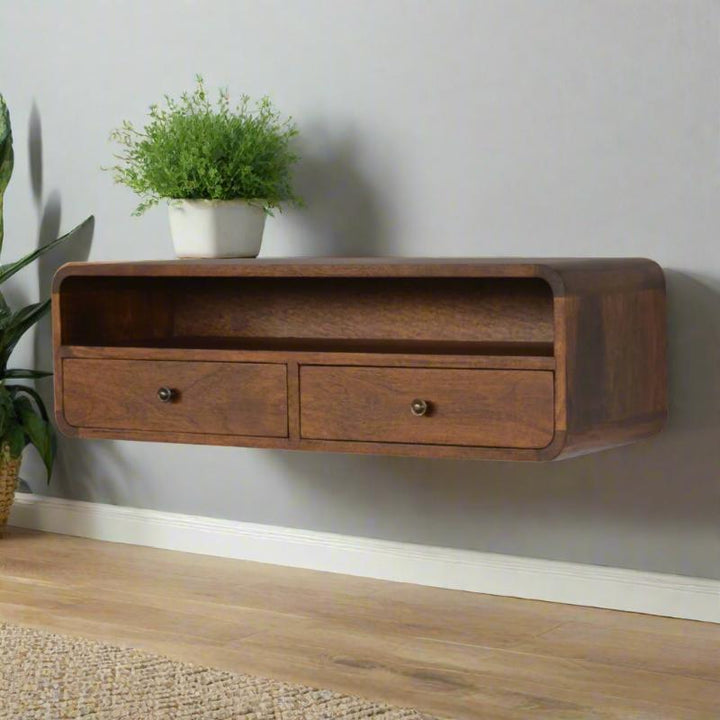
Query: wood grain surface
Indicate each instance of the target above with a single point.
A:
(126, 310)
(599, 324)
(454, 654)
(209, 397)
(493, 408)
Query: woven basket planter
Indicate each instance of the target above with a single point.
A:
(9, 471)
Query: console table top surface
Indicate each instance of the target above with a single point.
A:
(556, 271)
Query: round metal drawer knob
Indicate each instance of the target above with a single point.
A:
(419, 407)
(166, 394)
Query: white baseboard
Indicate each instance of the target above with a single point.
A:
(572, 583)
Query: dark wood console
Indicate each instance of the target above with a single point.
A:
(494, 359)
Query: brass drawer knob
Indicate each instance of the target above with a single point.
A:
(419, 407)
(166, 394)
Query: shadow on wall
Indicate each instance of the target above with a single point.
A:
(344, 215)
(653, 490)
(76, 461)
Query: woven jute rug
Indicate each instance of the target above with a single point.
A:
(52, 677)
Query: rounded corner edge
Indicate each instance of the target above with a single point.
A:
(555, 448)
(63, 425)
(64, 271)
(553, 278)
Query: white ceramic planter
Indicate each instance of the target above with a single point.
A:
(216, 228)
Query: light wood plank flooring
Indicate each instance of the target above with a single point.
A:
(454, 654)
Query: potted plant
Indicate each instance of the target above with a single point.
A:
(23, 417)
(221, 169)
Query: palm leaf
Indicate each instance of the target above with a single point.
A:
(38, 431)
(16, 438)
(19, 374)
(23, 415)
(7, 271)
(16, 390)
(6, 156)
(6, 146)
(5, 312)
(18, 324)
(7, 411)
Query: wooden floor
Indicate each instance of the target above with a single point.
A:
(454, 654)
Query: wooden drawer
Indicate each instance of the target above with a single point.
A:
(223, 398)
(482, 408)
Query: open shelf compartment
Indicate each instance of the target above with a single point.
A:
(435, 316)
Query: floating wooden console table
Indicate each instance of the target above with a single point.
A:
(495, 359)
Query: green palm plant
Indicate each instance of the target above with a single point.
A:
(23, 416)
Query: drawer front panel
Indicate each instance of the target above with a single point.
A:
(223, 398)
(482, 408)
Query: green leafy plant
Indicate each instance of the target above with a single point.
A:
(23, 417)
(192, 148)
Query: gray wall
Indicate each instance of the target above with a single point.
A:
(479, 127)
